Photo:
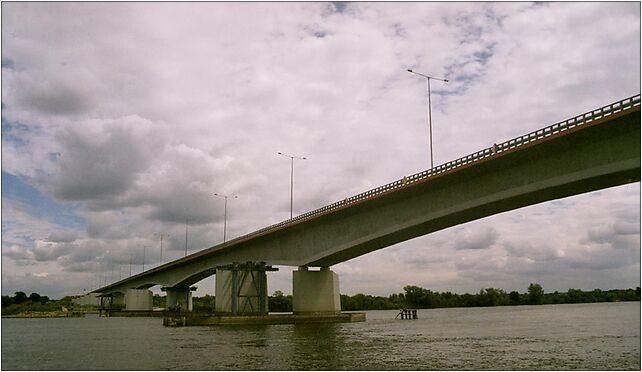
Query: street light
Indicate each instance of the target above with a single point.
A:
(144, 249)
(225, 212)
(185, 236)
(161, 245)
(291, 175)
(429, 108)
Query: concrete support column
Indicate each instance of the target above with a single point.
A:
(241, 292)
(179, 298)
(137, 300)
(315, 292)
(118, 301)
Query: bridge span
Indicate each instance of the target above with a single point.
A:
(592, 151)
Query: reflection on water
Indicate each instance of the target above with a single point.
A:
(582, 336)
(320, 345)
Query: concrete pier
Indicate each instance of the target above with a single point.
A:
(315, 292)
(179, 298)
(241, 289)
(138, 300)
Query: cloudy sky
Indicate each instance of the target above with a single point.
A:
(120, 120)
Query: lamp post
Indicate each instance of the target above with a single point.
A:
(429, 108)
(144, 249)
(161, 245)
(292, 175)
(225, 212)
(185, 236)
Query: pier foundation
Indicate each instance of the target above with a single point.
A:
(315, 292)
(241, 289)
(179, 298)
(138, 300)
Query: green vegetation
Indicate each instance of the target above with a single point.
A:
(421, 298)
(413, 297)
(19, 303)
(279, 302)
(204, 304)
(417, 297)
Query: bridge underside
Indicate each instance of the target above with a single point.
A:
(598, 155)
(562, 167)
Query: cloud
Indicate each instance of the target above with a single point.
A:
(476, 238)
(40, 275)
(103, 158)
(17, 253)
(540, 251)
(52, 98)
(62, 237)
(134, 114)
(45, 251)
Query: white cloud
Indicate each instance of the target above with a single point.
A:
(139, 112)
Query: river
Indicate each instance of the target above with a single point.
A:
(602, 336)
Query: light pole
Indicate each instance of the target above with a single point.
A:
(186, 236)
(429, 108)
(161, 245)
(291, 175)
(144, 249)
(225, 212)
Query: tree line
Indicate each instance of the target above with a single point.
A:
(412, 297)
(421, 298)
(424, 298)
(20, 302)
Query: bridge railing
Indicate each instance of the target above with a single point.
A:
(537, 135)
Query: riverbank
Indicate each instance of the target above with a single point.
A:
(47, 314)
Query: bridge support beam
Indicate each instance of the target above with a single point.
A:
(179, 298)
(315, 292)
(138, 300)
(241, 289)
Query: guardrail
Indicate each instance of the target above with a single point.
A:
(535, 136)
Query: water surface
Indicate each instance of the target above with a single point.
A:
(578, 336)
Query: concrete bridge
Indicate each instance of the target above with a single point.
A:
(592, 151)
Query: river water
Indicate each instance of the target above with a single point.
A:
(574, 336)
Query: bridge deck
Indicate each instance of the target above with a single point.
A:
(565, 128)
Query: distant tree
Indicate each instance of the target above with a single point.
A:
(44, 299)
(279, 302)
(535, 294)
(34, 297)
(206, 304)
(514, 297)
(19, 297)
(417, 296)
(158, 300)
(397, 300)
(347, 304)
(7, 300)
(492, 297)
(574, 295)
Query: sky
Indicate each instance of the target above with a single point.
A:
(121, 120)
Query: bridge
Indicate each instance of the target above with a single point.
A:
(591, 151)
